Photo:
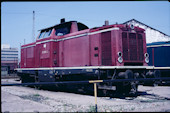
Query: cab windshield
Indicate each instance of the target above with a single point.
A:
(45, 34)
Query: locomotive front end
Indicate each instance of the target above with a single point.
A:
(134, 52)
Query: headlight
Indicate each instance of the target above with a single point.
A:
(146, 57)
(147, 60)
(119, 54)
(120, 59)
(132, 26)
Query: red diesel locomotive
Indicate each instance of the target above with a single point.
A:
(70, 51)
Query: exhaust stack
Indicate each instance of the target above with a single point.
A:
(62, 20)
(106, 23)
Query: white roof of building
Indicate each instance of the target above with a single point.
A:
(152, 34)
(8, 47)
(3, 46)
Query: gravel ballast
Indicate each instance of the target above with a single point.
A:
(26, 99)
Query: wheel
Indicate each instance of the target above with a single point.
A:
(126, 88)
(25, 78)
(36, 81)
(157, 74)
(104, 92)
(129, 74)
(134, 89)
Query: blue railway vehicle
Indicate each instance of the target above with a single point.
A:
(159, 56)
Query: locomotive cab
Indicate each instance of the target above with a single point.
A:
(62, 29)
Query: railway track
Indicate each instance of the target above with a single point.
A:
(148, 99)
(79, 90)
(10, 77)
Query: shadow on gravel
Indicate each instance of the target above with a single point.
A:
(152, 96)
(165, 84)
(112, 94)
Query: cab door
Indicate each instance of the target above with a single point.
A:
(95, 49)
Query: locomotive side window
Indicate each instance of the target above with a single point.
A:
(45, 34)
(41, 35)
(62, 31)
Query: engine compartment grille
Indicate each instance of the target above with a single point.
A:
(106, 48)
(132, 46)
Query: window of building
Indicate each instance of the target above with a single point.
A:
(9, 57)
(9, 54)
(8, 51)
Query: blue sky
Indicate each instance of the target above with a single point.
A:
(17, 17)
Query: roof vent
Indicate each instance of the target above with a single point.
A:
(106, 22)
(62, 20)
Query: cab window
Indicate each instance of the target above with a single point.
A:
(41, 35)
(62, 29)
(45, 33)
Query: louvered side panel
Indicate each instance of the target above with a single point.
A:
(140, 47)
(125, 46)
(133, 46)
(106, 48)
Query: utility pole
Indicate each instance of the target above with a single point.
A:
(24, 41)
(19, 58)
(33, 27)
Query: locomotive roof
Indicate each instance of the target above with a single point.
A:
(61, 24)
